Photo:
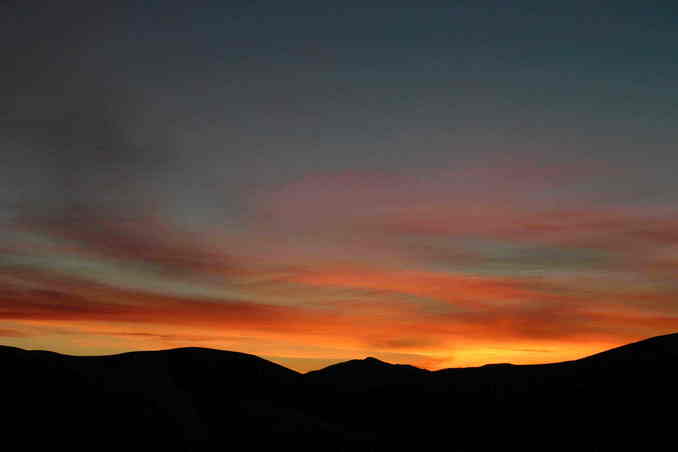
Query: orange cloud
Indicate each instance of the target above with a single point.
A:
(488, 314)
(11, 333)
(442, 268)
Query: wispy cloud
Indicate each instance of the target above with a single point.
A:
(436, 267)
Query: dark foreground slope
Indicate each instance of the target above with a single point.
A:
(176, 399)
(190, 399)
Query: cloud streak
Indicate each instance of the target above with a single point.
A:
(435, 268)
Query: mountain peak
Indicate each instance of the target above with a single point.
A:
(373, 360)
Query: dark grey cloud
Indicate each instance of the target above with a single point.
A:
(67, 120)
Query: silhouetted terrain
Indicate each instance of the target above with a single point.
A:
(195, 399)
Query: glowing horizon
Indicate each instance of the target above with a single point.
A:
(421, 279)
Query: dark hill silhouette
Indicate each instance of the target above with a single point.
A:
(649, 352)
(194, 398)
(362, 374)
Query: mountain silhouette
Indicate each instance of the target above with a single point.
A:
(363, 374)
(201, 399)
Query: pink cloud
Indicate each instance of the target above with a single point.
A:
(369, 261)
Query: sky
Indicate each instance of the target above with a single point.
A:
(443, 186)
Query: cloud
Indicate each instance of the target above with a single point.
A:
(516, 314)
(131, 235)
(11, 333)
(442, 267)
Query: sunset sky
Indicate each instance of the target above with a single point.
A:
(445, 187)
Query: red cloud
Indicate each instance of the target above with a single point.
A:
(315, 232)
(134, 236)
(514, 313)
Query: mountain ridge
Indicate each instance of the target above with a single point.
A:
(631, 348)
(192, 398)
